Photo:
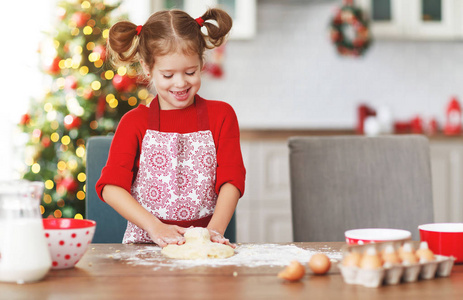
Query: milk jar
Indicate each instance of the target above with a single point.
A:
(24, 254)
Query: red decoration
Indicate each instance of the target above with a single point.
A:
(124, 83)
(350, 17)
(46, 142)
(71, 122)
(214, 69)
(215, 66)
(363, 111)
(70, 83)
(88, 94)
(25, 119)
(54, 68)
(453, 118)
(80, 18)
(433, 127)
(68, 184)
(101, 50)
(417, 125)
(101, 107)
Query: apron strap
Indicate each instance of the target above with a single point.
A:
(201, 110)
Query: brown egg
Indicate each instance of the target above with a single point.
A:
(319, 263)
(407, 254)
(371, 260)
(352, 259)
(390, 256)
(424, 254)
(293, 272)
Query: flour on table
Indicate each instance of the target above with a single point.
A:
(198, 245)
(248, 255)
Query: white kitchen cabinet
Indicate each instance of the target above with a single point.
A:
(415, 19)
(447, 175)
(264, 212)
(243, 12)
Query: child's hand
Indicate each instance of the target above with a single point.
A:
(164, 234)
(216, 237)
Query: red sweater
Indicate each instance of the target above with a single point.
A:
(123, 160)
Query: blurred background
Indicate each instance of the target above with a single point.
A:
(286, 70)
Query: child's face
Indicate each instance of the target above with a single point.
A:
(177, 79)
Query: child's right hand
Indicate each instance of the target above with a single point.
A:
(164, 234)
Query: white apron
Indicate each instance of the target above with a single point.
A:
(176, 176)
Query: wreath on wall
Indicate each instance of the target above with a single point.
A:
(350, 32)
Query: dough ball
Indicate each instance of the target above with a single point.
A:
(198, 245)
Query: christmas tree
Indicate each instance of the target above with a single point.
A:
(83, 97)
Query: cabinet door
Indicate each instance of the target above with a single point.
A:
(243, 12)
(433, 19)
(387, 17)
(415, 19)
(447, 175)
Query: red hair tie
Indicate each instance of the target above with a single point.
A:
(138, 29)
(200, 21)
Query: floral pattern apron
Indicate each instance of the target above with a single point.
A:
(176, 176)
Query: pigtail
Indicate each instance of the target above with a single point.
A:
(123, 43)
(216, 34)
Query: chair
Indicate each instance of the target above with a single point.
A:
(110, 225)
(347, 182)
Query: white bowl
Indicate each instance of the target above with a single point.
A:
(68, 240)
(375, 235)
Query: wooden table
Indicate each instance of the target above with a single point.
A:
(107, 272)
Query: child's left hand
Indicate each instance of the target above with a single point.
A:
(216, 237)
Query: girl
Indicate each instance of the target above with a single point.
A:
(176, 162)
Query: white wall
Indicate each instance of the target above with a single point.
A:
(20, 77)
(290, 76)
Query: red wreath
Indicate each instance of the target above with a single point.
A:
(350, 16)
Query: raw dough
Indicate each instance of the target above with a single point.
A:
(198, 245)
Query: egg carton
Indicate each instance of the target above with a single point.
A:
(440, 267)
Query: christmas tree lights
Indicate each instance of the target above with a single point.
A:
(83, 97)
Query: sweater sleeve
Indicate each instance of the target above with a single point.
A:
(122, 164)
(230, 166)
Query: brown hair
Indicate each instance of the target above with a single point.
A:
(166, 32)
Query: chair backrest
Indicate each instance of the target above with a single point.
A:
(110, 225)
(347, 182)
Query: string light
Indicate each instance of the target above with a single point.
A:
(49, 184)
(80, 151)
(90, 46)
(81, 177)
(57, 213)
(109, 75)
(47, 198)
(121, 71)
(85, 5)
(132, 101)
(96, 85)
(35, 168)
(65, 140)
(87, 30)
(54, 137)
(61, 165)
(113, 103)
(80, 195)
(94, 125)
(48, 107)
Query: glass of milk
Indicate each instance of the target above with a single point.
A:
(24, 254)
